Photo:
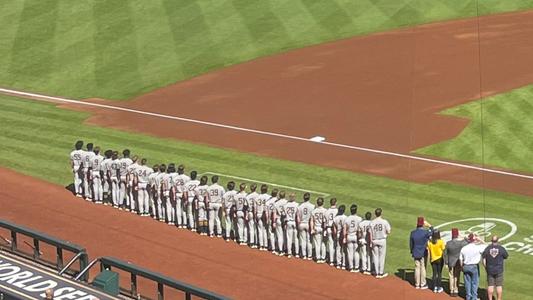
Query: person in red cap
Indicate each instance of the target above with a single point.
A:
(451, 254)
(418, 242)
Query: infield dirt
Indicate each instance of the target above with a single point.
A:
(226, 268)
(381, 91)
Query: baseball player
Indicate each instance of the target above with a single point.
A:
(179, 181)
(169, 200)
(152, 191)
(261, 218)
(380, 230)
(216, 192)
(338, 235)
(269, 211)
(97, 175)
(190, 195)
(279, 217)
(114, 175)
(106, 167)
(351, 234)
(305, 211)
(202, 199)
(365, 242)
(86, 158)
(241, 212)
(75, 164)
(317, 230)
(331, 213)
(291, 226)
(159, 189)
(251, 200)
(227, 202)
(131, 175)
(125, 162)
(142, 178)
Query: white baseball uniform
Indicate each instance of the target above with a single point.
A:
(279, 207)
(201, 193)
(216, 192)
(131, 174)
(189, 190)
(124, 164)
(330, 215)
(143, 177)
(115, 177)
(75, 158)
(291, 212)
(364, 248)
(97, 168)
(240, 204)
(106, 168)
(270, 210)
(152, 193)
(251, 233)
(338, 223)
(352, 227)
(160, 197)
(380, 230)
(319, 219)
(305, 211)
(260, 218)
(227, 201)
(179, 181)
(170, 208)
(86, 158)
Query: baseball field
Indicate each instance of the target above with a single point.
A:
(424, 107)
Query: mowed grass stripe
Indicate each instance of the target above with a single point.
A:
(120, 49)
(38, 145)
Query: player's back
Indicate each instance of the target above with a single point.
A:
(179, 182)
(330, 215)
(229, 198)
(305, 210)
(291, 208)
(75, 157)
(280, 206)
(339, 221)
(251, 200)
(115, 167)
(365, 227)
(201, 192)
(190, 187)
(216, 192)
(380, 228)
(319, 216)
(124, 164)
(143, 173)
(352, 224)
(87, 157)
(240, 201)
(152, 178)
(96, 163)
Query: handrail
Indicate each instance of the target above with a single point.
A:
(73, 260)
(107, 262)
(82, 272)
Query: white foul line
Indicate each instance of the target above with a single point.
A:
(269, 183)
(260, 132)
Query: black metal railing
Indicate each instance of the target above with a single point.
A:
(79, 253)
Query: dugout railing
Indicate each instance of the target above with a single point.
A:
(13, 245)
(162, 281)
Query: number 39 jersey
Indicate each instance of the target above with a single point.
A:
(305, 210)
(380, 228)
(215, 193)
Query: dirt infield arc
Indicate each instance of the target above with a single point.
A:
(380, 91)
(225, 268)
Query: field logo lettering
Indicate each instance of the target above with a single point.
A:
(485, 228)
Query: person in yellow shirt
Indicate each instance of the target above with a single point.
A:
(436, 252)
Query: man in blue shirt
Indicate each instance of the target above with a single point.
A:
(418, 245)
(493, 258)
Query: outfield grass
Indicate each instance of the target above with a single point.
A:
(37, 137)
(120, 49)
(500, 132)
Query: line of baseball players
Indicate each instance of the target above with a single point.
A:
(268, 221)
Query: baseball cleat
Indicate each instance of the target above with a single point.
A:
(297, 256)
(289, 256)
(384, 275)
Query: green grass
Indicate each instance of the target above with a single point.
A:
(120, 49)
(502, 138)
(37, 137)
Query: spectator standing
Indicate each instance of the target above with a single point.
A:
(493, 259)
(418, 242)
(470, 258)
(436, 252)
(451, 254)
